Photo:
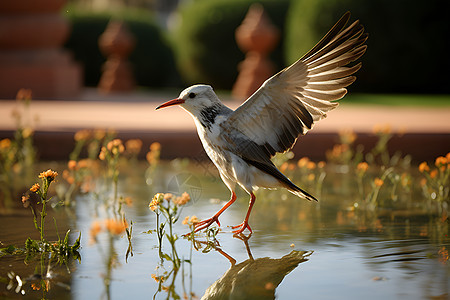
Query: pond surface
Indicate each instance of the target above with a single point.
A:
(298, 250)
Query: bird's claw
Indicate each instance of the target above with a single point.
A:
(206, 223)
(244, 225)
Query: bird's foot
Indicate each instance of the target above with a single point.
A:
(206, 223)
(244, 225)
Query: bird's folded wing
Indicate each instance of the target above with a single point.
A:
(289, 103)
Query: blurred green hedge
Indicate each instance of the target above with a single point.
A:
(204, 40)
(152, 59)
(408, 41)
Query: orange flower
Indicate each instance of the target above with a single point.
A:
(102, 155)
(378, 182)
(347, 136)
(168, 196)
(423, 182)
(82, 135)
(35, 187)
(72, 165)
(311, 165)
(5, 143)
(133, 146)
(182, 200)
(95, 229)
(115, 146)
(441, 162)
(155, 146)
(49, 174)
(116, 226)
(321, 164)
(383, 129)
(192, 221)
(128, 201)
(423, 167)
(433, 173)
(24, 94)
(362, 167)
(302, 162)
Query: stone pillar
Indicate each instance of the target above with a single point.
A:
(116, 43)
(257, 37)
(31, 35)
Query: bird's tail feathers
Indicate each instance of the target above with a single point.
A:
(302, 194)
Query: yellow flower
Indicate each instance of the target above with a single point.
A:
(49, 174)
(311, 177)
(362, 167)
(321, 164)
(423, 167)
(27, 132)
(35, 187)
(157, 199)
(378, 182)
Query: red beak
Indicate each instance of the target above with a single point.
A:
(170, 103)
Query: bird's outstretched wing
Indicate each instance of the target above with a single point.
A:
(289, 103)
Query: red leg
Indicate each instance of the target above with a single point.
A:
(206, 223)
(244, 224)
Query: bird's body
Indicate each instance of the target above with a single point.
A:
(242, 142)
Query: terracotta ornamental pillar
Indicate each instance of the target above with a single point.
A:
(32, 33)
(257, 37)
(116, 44)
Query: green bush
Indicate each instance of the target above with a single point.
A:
(204, 40)
(407, 47)
(152, 59)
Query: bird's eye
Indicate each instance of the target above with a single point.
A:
(191, 95)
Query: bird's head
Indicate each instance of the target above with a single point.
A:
(194, 99)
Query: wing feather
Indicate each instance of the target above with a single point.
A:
(288, 103)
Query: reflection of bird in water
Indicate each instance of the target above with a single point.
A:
(254, 278)
(241, 143)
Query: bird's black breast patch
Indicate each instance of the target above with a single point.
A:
(208, 116)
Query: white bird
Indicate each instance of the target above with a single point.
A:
(242, 142)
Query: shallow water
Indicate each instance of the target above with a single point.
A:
(298, 250)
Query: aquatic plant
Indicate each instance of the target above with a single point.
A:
(170, 207)
(436, 181)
